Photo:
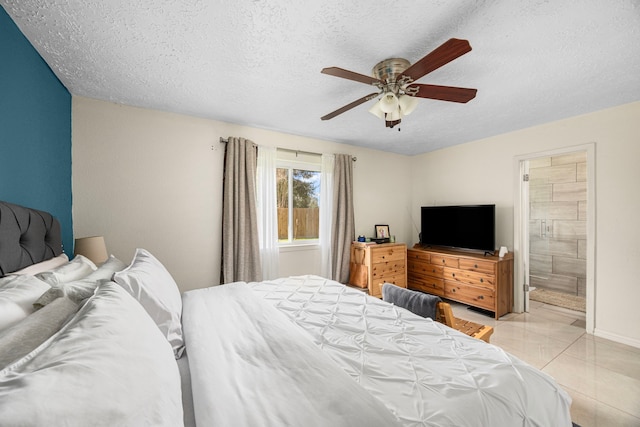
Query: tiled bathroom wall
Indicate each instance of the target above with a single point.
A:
(558, 223)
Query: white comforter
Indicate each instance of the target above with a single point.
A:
(251, 366)
(426, 373)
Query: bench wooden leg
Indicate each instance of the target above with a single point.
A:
(476, 330)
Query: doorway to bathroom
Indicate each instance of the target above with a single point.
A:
(557, 230)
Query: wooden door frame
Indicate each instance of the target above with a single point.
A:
(520, 229)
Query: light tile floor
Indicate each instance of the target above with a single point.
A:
(602, 376)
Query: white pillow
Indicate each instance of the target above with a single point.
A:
(152, 285)
(78, 268)
(82, 289)
(108, 366)
(17, 295)
(47, 265)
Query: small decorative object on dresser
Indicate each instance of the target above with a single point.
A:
(382, 231)
(482, 281)
(373, 265)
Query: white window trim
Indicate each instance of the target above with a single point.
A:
(299, 247)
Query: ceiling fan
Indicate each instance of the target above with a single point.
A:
(395, 79)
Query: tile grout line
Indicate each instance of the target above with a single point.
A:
(565, 349)
(600, 402)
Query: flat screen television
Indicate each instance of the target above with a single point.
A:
(461, 227)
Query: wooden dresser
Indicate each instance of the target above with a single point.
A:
(483, 281)
(375, 264)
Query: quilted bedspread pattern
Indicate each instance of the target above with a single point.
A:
(426, 373)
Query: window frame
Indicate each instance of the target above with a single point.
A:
(290, 164)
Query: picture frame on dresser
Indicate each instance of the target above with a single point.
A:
(382, 232)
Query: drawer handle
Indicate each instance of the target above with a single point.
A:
(443, 261)
(453, 290)
(481, 280)
(475, 266)
(453, 274)
(480, 297)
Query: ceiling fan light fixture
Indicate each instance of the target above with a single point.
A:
(407, 104)
(393, 116)
(391, 124)
(395, 81)
(376, 110)
(389, 102)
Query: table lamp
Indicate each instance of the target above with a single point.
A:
(93, 248)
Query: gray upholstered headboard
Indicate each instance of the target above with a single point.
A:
(27, 236)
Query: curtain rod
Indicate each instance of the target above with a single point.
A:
(224, 141)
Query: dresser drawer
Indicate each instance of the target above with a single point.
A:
(393, 253)
(427, 284)
(466, 277)
(398, 280)
(418, 255)
(473, 295)
(419, 267)
(390, 268)
(444, 260)
(477, 265)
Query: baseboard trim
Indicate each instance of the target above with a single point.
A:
(617, 338)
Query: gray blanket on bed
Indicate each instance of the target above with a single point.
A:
(422, 304)
(25, 336)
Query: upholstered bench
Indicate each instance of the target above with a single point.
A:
(432, 306)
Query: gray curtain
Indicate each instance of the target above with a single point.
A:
(240, 242)
(343, 224)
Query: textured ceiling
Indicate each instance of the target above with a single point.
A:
(258, 62)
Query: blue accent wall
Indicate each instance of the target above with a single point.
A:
(35, 131)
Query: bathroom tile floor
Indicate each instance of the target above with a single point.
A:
(601, 376)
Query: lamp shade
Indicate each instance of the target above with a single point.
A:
(376, 111)
(389, 102)
(407, 104)
(92, 247)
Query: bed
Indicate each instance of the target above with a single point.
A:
(117, 344)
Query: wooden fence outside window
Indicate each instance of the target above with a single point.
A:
(306, 223)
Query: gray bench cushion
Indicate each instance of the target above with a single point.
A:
(419, 303)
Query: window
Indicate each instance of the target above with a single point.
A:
(298, 193)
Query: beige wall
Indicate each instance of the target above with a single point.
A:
(483, 172)
(150, 179)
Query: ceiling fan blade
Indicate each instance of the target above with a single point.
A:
(350, 75)
(442, 55)
(444, 93)
(350, 106)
